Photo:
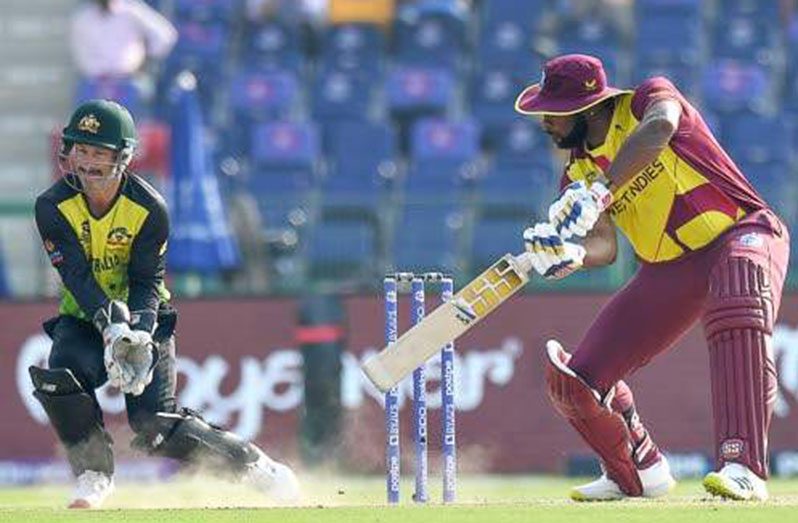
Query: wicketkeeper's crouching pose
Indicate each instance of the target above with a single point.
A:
(105, 230)
(710, 249)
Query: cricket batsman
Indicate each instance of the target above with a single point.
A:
(105, 231)
(710, 249)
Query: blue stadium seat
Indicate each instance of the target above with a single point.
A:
(729, 86)
(751, 8)
(667, 38)
(205, 10)
(683, 76)
(521, 174)
(340, 248)
(508, 45)
(524, 145)
(443, 156)
(362, 158)
(285, 157)
(429, 37)
(492, 96)
(691, 8)
(427, 237)
(413, 91)
(774, 181)
(532, 190)
(436, 139)
(342, 95)
(592, 36)
(286, 144)
(283, 211)
(529, 12)
(762, 147)
(790, 101)
(122, 90)
(751, 137)
(201, 48)
(494, 235)
(353, 47)
(200, 41)
(262, 95)
(273, 45)
(743, 37)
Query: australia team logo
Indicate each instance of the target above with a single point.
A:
(89, 124)
(118, 237)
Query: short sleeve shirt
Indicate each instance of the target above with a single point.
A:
(689, 195)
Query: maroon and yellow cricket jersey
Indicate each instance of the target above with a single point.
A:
(682, 200)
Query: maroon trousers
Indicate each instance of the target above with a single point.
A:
(734, 286)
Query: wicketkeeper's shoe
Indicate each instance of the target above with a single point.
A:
(276, 480)
(736, 481)
(657, 481)
(91, 489)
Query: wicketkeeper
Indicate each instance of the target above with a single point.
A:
(710, 249)
(105, 230)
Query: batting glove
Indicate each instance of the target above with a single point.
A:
(551, 256)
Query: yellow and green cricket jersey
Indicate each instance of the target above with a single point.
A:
(117, 256)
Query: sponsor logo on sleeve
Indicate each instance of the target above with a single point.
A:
(56, 258)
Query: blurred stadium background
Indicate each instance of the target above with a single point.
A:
(341, 139)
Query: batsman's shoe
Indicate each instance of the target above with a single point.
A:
(736, 481)
(602, 489)
(657, 481)
(91, 489)
(276, 480)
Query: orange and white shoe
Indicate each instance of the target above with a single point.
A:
(91, 489)
(736, 481)
(657, 481)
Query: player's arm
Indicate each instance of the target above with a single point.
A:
(147, 268)
(601, 243)
(658, 125)
(68, 257)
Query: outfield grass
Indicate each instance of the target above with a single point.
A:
(334, 499)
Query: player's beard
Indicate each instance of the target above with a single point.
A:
(577, 135)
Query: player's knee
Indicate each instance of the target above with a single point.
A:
(741, 297)
(63, 360)
(568, 392)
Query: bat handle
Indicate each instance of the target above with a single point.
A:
(524, 262)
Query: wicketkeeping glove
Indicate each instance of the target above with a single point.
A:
(137, 363)
(128, 354)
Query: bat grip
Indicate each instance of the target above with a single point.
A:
(524, 262)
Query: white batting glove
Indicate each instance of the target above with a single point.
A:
(550, 255)
(578, 208)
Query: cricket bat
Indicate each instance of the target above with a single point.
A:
(449, 321)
